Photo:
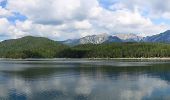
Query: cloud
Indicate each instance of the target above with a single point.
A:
(154, 8)
(53, 11)
(4, 12)
(127, 21)
(4, 24)
(7, 30)
(83, 25)
(64, 19)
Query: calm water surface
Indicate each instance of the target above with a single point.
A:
(60, 79)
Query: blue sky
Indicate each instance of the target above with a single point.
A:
(3, 3)
(15, 16)
(65, 19)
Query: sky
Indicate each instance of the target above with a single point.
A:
(68, 19)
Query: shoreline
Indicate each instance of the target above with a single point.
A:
(154, 58)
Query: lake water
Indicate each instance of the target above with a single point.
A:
(73, 79)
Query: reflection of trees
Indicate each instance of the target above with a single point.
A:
(93, 71)
(100, 72)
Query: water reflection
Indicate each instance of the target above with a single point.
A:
(84, 81)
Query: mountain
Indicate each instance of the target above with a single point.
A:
(162, 37)
(103, 38)
(129, 37)
(40, 47)
(98, 39)
(30, 47)
(93, 39)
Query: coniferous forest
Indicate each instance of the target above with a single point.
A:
(38, 47)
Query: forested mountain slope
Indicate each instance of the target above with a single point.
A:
(30, 47)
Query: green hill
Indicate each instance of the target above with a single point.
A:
(30, 47)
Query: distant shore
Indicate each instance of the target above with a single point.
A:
(154, 58)
(135, 58)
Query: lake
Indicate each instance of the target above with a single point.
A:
(73, 79)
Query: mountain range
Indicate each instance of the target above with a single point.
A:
(109, 46)
(93, 39)
(106, 38)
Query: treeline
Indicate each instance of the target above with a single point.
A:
(38, 47)
(118, 50)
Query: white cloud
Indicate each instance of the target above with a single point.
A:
(83, 25)
(126, 21)
(53, 11)
(64, 19)
(4, 12)
(4, 25)
(154, 8)
(9, 31)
